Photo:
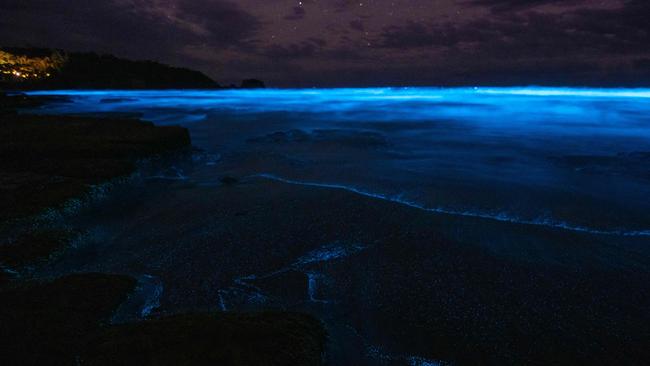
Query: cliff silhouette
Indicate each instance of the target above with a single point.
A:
(40, 68)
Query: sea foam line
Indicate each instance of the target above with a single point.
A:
(153, 289)
(502, 217)
(325, 253)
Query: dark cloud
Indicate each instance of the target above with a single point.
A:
(357, 25)
(307, 48)
(344, 5)
(604, 33)
(416, 34)
(583, 45)
(138, 28)
(514, 5)
(297, 13)
(643, 63)
(351, 42)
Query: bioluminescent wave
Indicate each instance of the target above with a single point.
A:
(497, 217)
(571, 158)
(568, 92)
(524, 108)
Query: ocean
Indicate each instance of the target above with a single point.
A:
(423, 225)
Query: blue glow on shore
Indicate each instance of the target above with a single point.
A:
(502, 217)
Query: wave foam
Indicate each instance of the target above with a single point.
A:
(502, 217)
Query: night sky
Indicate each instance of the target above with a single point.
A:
(355, 43)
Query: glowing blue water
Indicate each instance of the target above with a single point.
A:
(560, 157)
(493, 106)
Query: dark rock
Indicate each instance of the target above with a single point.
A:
(231, 339)
(63, 323)
(252, 84)
(5, 277)
(48, 323)
(34, 246)
(47, 160)
(25, 194)
(61, 137)
(10, 103)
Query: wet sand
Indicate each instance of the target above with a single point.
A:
(393, 283)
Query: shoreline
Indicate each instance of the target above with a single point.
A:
(264, 242)
(390, 282)
(443, 211)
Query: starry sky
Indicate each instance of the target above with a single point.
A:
(355, 43)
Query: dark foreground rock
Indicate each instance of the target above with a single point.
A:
(211, 339)
(47, 160)
(65, 322)
(48, 323)
(9, 103)
(33, 246)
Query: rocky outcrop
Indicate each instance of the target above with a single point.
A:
(42, 68)
(66, 322)
(47, 160)
(48, 322)
(232, 339)
(34, 246)
(93, 71)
